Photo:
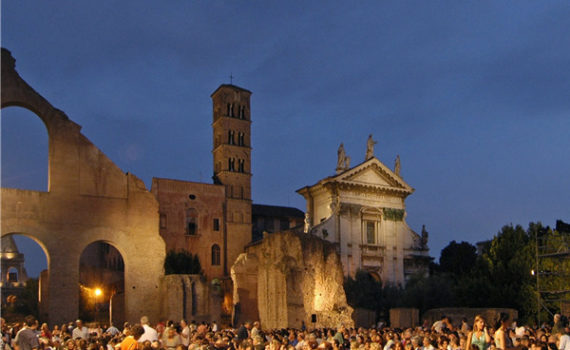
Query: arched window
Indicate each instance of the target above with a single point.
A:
(215, 255)
(231, 134)
(12, 274)
(191, 221)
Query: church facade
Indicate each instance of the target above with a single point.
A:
(362, 209)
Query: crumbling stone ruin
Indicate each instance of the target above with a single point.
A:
(289, 278)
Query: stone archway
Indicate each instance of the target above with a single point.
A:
(101, 267)
(89, 199)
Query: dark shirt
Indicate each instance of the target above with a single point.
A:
(242, 333)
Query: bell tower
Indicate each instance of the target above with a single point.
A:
(232, 163)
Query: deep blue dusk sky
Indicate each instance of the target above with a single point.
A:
(474, 96)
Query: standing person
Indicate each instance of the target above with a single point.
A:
(6, 335)
(502, 339)
(80, 331)
(243, 331)
(256, 328)
(184, 333)
(149, 332)
(557, 326)
(464, 325)
(564, 340)
(131, 342)
(26, 338)
(171, 340)
(479, 335)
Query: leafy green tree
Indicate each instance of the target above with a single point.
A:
(510, 259)
(363, 291)
(458, 258)
(430, 292)
(182, 262)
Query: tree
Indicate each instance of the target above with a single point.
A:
(458, 258)
(363, 291)
(510, 259)
(182, 262)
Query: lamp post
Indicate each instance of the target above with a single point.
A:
(98, 292)
(113, 292)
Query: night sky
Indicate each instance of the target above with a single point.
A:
(474, 97)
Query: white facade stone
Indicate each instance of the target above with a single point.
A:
(363, 210)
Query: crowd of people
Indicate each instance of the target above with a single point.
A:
(441, 335)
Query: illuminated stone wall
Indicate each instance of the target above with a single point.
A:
(89, 199)
(287, 277)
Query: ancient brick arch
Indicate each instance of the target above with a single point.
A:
(89, 199)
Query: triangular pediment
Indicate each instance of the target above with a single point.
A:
(371, 176)
(373, 173)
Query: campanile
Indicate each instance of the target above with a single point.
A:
(232, 163)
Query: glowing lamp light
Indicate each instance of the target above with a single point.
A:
(98, 292)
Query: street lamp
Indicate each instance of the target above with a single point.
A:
(113, 292)
(98, 292)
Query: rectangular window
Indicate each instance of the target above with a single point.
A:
(191, 228)
(216, 224)
(370, 232)
(283, 224)
(13, 277)
(162, 220)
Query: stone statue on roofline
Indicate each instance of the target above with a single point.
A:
(342, 159)
(370, 148)
(425, 236)
(397, 165)
(307, 226)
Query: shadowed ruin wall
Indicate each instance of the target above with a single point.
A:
(288, 277)
(189, 297)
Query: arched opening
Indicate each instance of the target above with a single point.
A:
(25, 151)
(102, 284)
(375, 276)
(24, 266)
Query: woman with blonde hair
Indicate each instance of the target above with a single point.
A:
(479, 335)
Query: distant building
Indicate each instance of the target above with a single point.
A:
(14, 276)
(270, 219)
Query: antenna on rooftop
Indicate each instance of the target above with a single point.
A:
(231, 79)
